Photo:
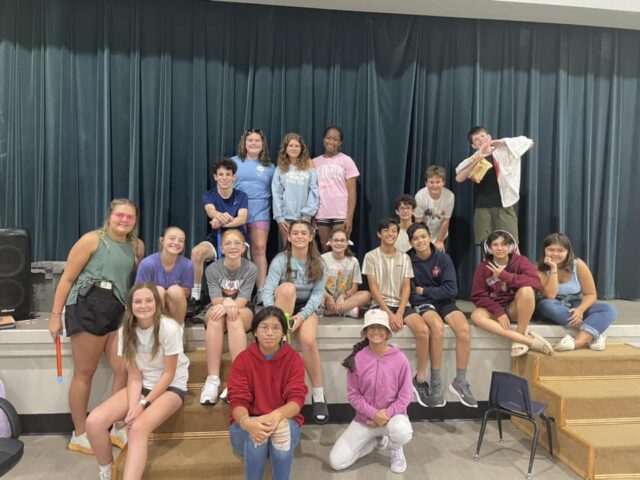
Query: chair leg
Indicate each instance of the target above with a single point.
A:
(550, 422)
(481, 436)
(499, 418)
(534, 445)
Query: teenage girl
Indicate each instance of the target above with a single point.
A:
(157, 368)
(503, 291)
(295, 185)
(92, 291)
(569, 296)
(254, 175)
(296, 285)
(171, 273)
(341, 294)
(337, 175)
(379, 389)
(230, 282)
(266, 393)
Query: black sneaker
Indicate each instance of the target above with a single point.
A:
(422, 391)
(193, 307)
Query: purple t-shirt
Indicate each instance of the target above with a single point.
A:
(231, 205)
(151, 270)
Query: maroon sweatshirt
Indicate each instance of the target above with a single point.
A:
(262, 385)
(496, 293)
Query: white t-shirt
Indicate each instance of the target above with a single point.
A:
(402, 243)
(434, 212)
(151, 367)
(341, 274)
(390, 271)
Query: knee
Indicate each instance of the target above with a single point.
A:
(525, 294)
(437, 329)
(463, 332)
(548, 303)
(175, 293)
(422, 332)
(308, 342)
(400, 431)
(137, 432)
(95, 423)
(281, 437)
(286, 291)
(608, 311)
(258, 248)
(340, 456)
(476, 317)
(198, 255)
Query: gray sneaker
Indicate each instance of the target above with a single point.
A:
(422, 391)
(463, 392)
(437, 397)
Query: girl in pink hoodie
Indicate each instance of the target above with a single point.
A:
(379, 389)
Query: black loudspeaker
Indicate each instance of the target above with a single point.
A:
(15, 273)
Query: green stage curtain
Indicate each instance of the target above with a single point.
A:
(113, 98)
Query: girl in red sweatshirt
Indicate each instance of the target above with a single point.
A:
(503, 292)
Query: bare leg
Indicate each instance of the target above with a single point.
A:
(481, 318)
(420, 329)
(100, 420)
(285, 297)
(458, 323)
(116, 363)
(214, 338)
(236, 331)
(258, 241)
(162, 408)
(201, 253)
(176, 303)
(522, 307)
(310, 352)
(358, 299)
(324, 232)
(86, 350)
(436, 328)
(583, 339)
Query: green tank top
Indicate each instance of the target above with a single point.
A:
(112, 262)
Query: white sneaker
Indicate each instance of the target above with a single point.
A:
(80, 443)
(599, 344)
(223, 396)
(354, 313)
(566, 344)
(105, 472)
(382, 442)
(398, 462)
(209, 394)
(119, 436)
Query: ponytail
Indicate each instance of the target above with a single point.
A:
(350, 362)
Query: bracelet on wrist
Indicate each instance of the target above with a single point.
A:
(56, 313)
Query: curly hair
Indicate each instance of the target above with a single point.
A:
(304, 160)
(264, 157)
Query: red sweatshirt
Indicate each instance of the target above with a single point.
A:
(262, 385)
(496, 293)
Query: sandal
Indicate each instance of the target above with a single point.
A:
(540, 344)
(518, 349)
(320, 409)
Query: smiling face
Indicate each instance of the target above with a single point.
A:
(294, 148)
(300, 236)
(143, 307)
(122, 220)
(500, 248)
(434, 186)
(377, 334)
(389, 235)
(556, 252)
(338, 242)
(405, 211)
(421, 241)
(253, 144)
(224, 178)
(332, 142)
(480, 138)
(269, 334)
(173, 241)
(232, 244)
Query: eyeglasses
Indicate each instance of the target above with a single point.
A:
(267, 328)
(404, 209)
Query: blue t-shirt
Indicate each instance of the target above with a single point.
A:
(151, 270)
(231, 205)
(254, 179)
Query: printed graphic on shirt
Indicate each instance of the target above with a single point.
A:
(339, 282)
(297, 177)
(497, 287)
(331, 171)
(230, 288)
(436, 272)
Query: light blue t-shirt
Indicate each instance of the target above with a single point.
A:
(254, 179)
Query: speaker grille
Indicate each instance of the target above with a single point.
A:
(13, 261)
(12, 295)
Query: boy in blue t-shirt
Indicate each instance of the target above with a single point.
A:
(226, 208)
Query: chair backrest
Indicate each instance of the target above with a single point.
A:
(510, 392)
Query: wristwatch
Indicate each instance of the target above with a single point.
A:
(144, 402)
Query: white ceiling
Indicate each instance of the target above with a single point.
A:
(602, 13)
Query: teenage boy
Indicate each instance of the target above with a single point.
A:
(405, 208)
(433, 292)
(495, 169)
(435, 205)
(389, 274)
(226, 208)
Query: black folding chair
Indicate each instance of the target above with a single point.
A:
(11, 449)
(509, 395)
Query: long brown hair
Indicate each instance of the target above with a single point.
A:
(314, 270)
(241, 151)
(129, 323)
(562, 240)
(304, 160)
(132, 236)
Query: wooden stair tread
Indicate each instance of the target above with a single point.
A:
(576, 387)
(609, 435)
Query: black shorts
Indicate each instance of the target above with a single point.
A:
(407, 311)
(442, 309)
(300, 304)
(181, 393)
(330, 222)
(98, 313)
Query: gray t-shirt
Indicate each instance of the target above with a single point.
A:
(223, 282)
(432, 211)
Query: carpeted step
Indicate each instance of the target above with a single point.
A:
(198, 366)
(196, 458)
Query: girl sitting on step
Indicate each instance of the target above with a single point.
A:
(503, 292)
(295, 283)
(230, 283)
(569, 296)
(171, 272)
(379, 389)
(266, 393)
(157, 369)
(341, 296)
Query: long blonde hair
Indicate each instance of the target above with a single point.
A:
(129, 323)
(132, 236)
(264, 157)
(304, 160)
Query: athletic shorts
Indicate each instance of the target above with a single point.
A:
(488, 220)
(181, 393)
(300, 304)
(260, 225)
(98, 312)
(407, 311)
(330, 222)
(442, 309)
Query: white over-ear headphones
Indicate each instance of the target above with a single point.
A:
(487, 247)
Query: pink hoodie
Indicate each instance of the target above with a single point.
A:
(379, 382)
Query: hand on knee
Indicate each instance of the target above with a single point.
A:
(281, 437)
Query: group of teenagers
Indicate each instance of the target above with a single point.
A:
(411, 279)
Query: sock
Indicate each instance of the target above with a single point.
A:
(105, 470)
(435, 377)
(461, 375)
(214, 378)
(318, 394)
(195, 291)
